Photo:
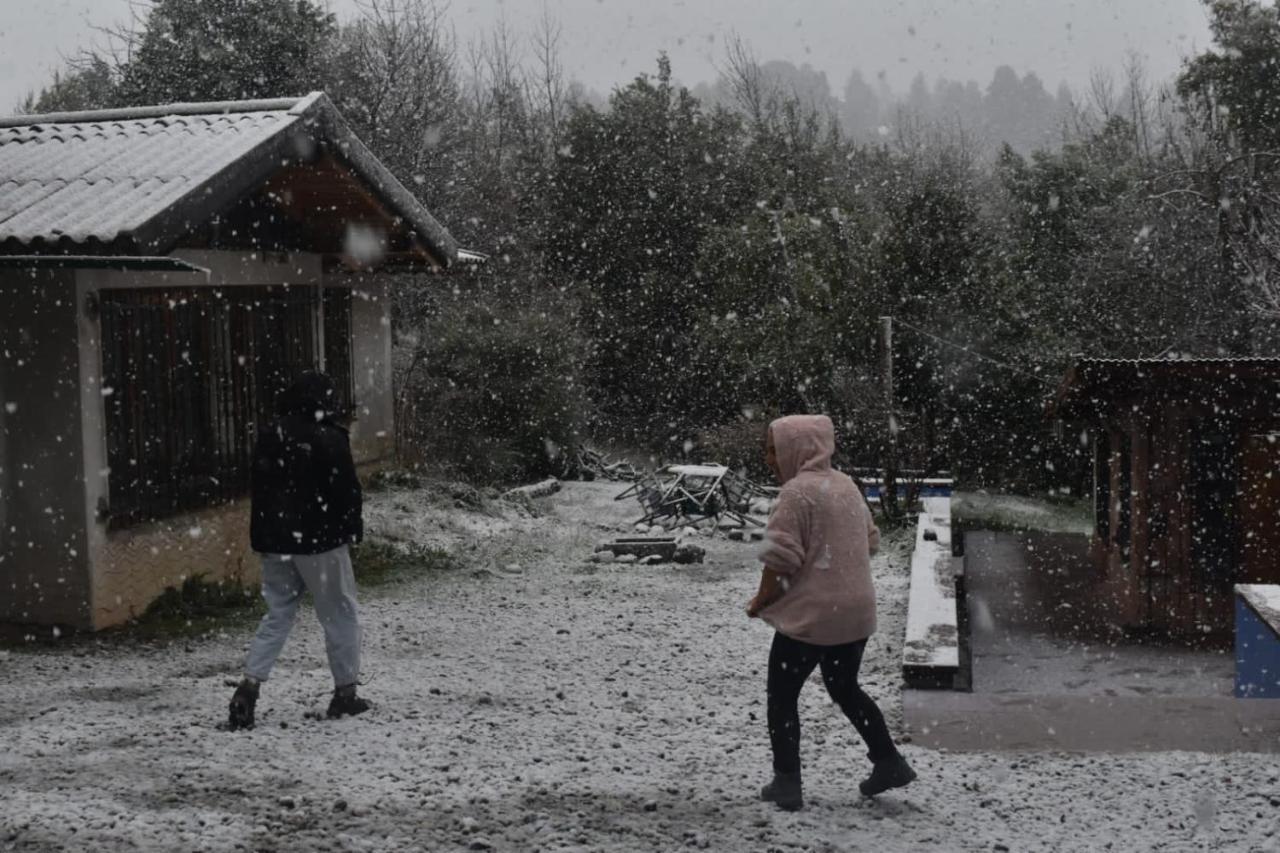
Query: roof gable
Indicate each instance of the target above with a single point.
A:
(135, 181)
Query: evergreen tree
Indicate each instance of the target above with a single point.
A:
(88, 85)
(1236, 88)
(635, 189)
(223, 50)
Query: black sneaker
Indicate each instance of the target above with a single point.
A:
(243, 702)
(345, 703)
(891, 773)
(784, 791)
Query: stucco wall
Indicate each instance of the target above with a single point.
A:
(373, 430)
(44, 573)
(132, 567)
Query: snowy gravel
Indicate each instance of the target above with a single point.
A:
(534, 701)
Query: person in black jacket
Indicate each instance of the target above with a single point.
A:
(306, 511)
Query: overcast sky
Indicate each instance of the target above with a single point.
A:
(608, 42)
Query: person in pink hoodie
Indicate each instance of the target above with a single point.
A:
(817, 594)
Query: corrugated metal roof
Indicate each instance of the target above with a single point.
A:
(134, 180)
(1182, 361)
(470, 256)
(1089, 377)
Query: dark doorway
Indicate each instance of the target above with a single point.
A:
(1214, 518)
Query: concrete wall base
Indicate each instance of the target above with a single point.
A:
(992, 722)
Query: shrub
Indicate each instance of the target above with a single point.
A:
(394, 478)
(739, 445)
(491, 391)
(199, 598)
(197, 607)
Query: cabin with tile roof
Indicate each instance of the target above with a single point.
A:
(164, 273)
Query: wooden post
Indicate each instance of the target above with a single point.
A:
(889, 493)
(1139, 521)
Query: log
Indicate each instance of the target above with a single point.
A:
(548, 486)
(642, 547)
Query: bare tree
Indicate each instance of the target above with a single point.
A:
(394, 78)
(1138, 97)
(121, 39)
(751, 88)
(496, 93)
(1098, 105)
(550, 73)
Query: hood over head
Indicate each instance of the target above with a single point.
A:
(803, 443)
(312, 395)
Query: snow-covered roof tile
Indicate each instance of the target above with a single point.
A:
(101, 181)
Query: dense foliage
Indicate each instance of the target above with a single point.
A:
(713, 261)
(490, 391)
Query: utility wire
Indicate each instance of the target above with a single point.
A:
(974, 353)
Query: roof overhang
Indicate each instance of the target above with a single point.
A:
(152, 263)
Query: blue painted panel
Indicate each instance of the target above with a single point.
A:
(1257, 655)
(926, 491)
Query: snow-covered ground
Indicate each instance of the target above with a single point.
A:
(534, 701)
(979, 510)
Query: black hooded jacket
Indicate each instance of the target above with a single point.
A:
(306, 496)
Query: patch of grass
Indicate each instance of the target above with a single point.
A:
(1016, 514)
(200, 599)
(391, 479)
(198, 607)
(438, 491)
(378, 563)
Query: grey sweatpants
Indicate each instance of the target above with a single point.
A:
(333, 588)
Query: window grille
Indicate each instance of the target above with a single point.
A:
(187, 377)
(337, 346)
(1102, 485)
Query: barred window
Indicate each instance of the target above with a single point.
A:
(188, 374)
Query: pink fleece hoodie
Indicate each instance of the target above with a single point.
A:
(820, 536)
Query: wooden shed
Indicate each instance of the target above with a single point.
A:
(1186, 461)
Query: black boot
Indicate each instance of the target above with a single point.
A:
(345, 702)
(243, 702)
(785, 791)
(892, 772)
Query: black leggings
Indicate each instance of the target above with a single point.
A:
(790, 664)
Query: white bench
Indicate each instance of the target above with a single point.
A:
(931, 650)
